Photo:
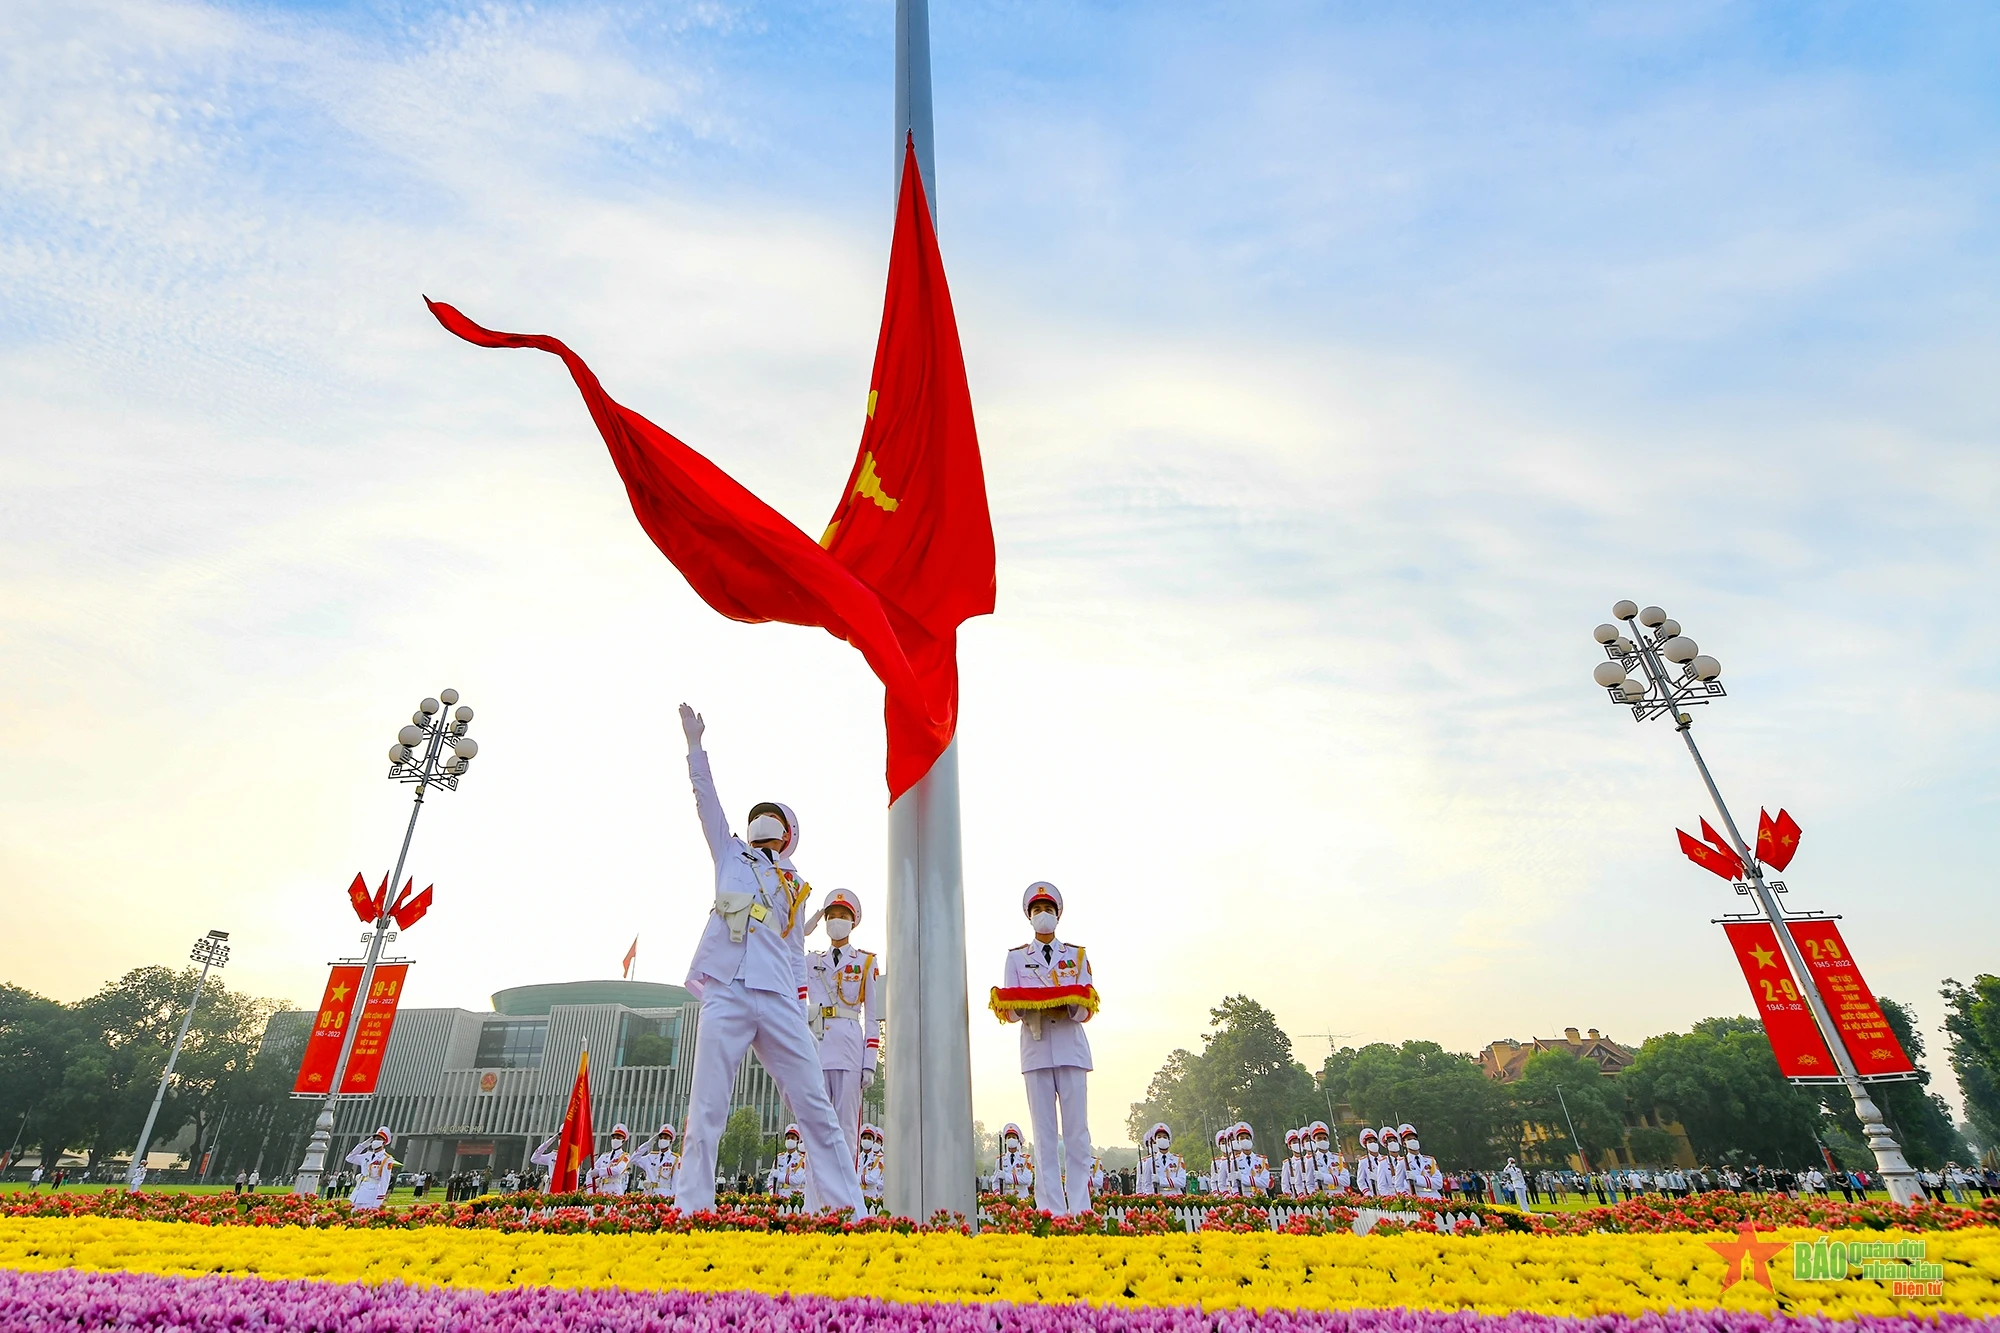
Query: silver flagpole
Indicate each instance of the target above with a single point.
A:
(930, 1164)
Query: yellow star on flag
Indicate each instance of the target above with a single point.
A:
(1764, 957)
(339, 993)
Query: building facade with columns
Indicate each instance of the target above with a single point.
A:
(462, 1088)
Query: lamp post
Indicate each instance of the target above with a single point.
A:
(432, 751)
(211, 950)
(1636, 675)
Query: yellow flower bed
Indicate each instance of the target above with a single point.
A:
(1573, 1275)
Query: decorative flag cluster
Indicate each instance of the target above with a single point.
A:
(908, 555)
(1777, 842)
(406, 911)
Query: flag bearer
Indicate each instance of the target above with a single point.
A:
(1055, 1054)
(749, 973)
(844, 1007)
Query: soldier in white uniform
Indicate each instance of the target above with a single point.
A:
(1391, 1172)
(1161, 1171)
(1365, 1170)
(871, 1164)
(1221, 1177)
(375, 1170)
(1330, 1173)
(656, 1164)
(612, 1170)
(1055, 1056)
(1294, 1180)
(1011, 1173)
(749, 973)
(843, 999)
(1253, 1169)
(787, 1177)
(1096, 1177)
(1421, 1170)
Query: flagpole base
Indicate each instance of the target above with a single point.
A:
(930, 1166)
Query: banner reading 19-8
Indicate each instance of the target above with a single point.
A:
(336, 1011)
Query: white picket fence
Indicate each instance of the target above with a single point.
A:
(1191, 1215)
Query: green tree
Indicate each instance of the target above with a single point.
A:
(1458, 1111)
(1721, 1082)
(38, 1038)
(1919, 1117)
(742, 1143)
(1972, 1022)
(1558, 1089)
(1245, 1071)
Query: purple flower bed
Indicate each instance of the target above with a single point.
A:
(67, 1299)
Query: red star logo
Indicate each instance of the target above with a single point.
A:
(1747, 1248)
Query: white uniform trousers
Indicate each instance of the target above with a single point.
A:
(843, 1089)
(735, 1019)
(1062, 1185)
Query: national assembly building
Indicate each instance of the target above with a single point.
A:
(462, 1089)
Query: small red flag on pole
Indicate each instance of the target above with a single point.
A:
(1709, 859)
(1715, 840)
(1777, 839)
(631, 954)
(409, 911)
(576, 1146)
(357, 896)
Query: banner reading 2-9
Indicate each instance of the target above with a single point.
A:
(336, 1011)
(1788, 1020)
(1870, 1042)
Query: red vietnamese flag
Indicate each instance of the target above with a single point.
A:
(408, 911)
(1870, 1041)
(913, 522)
(1716, 863)
(576, 1145)
(897, 584)
(1788, 1021)
(1777, 839)
(358, 899)
(1715, 840)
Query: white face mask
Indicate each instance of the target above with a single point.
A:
(1410, 1145)
(838, 930)
(763, 828)
(1043, 922)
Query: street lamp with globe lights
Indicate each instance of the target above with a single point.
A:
(1637, 675)
(211, 950)
(433, 750)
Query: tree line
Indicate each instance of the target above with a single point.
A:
(79, 1077)
(1718, 1080)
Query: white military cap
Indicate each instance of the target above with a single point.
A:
(846, 898)
(1405, 1131)
(1041, 888)
(618, 1131)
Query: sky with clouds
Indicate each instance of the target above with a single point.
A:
(1336, 367)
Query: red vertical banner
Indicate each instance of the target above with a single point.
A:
(371, 1038)
(336, 1010)
(1788, 1020)
(1870, 1042)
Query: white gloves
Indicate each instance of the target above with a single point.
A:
(693, 726)
(867, 1078)
(1079, 1014)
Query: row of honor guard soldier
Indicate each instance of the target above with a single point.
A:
(1161, 1170)
(1238, 1168)
(1047, 989)
(844, 1010)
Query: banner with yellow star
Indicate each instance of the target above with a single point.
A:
(336, 1010)
(1787, 1018)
